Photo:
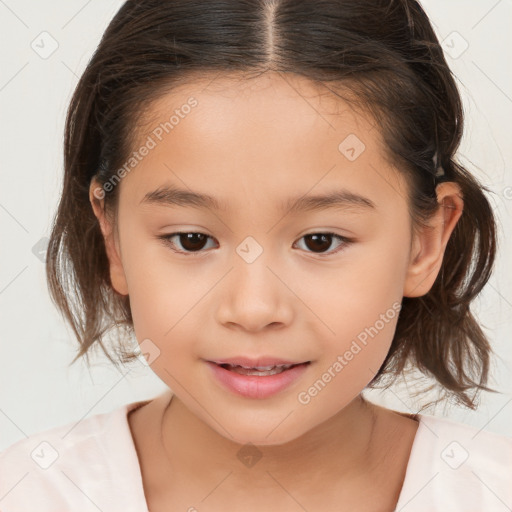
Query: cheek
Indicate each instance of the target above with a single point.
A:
(358, 304)
(162, 306)
(162, 293)
(367, 284)
(351, 357)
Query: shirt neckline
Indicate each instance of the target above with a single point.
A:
(125, 410)
(141, 497)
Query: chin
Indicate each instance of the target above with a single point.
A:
(263, 435)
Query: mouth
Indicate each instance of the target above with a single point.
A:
(261, 371)
(257, 378)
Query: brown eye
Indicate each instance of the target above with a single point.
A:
(186, 242)
(319, 243)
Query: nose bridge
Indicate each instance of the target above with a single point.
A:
(253, 296)
(251, 267)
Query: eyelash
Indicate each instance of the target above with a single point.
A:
(167, 241)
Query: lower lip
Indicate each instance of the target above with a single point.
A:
(254, 386)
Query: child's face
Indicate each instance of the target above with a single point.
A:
(257, 287)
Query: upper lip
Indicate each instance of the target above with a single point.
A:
(255, 363)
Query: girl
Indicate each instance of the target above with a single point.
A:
(265, 192)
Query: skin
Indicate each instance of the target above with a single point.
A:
(255, 144)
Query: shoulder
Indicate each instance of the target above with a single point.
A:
(457, 467)
(86, 465)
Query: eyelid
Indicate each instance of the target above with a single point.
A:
(345, 241)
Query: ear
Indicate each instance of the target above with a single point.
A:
(117, 276)
(428, 245)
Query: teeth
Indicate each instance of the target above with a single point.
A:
(259, 370)
(265, 368)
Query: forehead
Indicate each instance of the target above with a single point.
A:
(288, 95)
(257, 137)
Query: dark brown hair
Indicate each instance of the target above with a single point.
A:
(384, 52)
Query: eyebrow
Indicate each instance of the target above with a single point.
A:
(341, 199)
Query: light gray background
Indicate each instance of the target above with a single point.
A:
(37, 388)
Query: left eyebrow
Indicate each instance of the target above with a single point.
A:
(342, 199)
(345, 199)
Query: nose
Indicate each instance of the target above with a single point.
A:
(254, 297)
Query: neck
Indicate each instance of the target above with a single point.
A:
(341, 448)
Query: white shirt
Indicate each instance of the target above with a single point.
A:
(92, 465)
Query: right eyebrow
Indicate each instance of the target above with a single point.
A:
(173, 196)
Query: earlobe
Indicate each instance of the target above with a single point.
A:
(117, 275)
(429, 244)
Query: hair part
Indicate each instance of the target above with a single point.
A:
(381, 55)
